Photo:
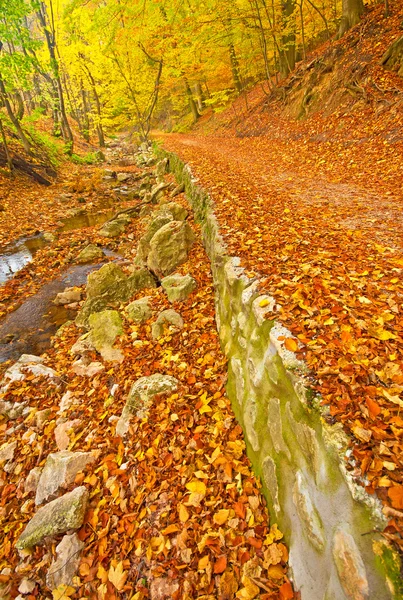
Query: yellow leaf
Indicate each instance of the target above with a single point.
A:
(203, 563)
(250, 591)
(204, 409)
(183, 513)
(381, 334)
(170, 529)
(197, 486)
(117, 576)
(102, 574)
(328, 322)
(63, 592)
(221, 516)
(264, 302)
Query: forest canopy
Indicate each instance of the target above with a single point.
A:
(107, 63)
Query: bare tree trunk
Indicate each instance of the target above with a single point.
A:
(192, 103)
(13, 118)
(8, 157)
(287, 55)
(351, 14)
(49, 32)
(199, 96)
(99, 129)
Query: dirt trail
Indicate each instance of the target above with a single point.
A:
(329, 244)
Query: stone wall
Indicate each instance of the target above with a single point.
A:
(328, 520)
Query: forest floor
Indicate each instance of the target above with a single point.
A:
(174, 509)
(316, 209)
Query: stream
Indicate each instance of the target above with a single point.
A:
(29, 328)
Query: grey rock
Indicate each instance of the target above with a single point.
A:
(350, 566)
(26, 364)
(139, 310)
(79, 367)
(90, 253)
(48, 236)
(64, 568)
(178, 212)
(62, 433)
(90, 306)
(109, 281)
(106, 326)
(121, 177)
(308, 513)
(68, 296)
(83, 345)
(178, 287)
(32, 480)
(57, 517)
(41, 417)
(7, 451)
(60, 471)
(178, 190)
(166, 317)
(169, 247)
(141, 395)
(112, 229)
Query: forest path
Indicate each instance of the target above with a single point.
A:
(329, 243)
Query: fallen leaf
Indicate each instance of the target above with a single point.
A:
(117, 576)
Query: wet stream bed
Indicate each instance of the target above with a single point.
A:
(30, 327)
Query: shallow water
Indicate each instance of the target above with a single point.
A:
(16, 256)
(29, 328)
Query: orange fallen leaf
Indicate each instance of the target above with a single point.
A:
(220, 564)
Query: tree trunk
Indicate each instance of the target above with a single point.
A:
(86, 129)
(351, 14)
(199, 96)
(288, 53)
(393, 57)
(7, 153)
(192, 103)
(51, 44)
(235, 68)
(13, 118)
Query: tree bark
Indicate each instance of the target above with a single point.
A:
(6, 151)
(288, 51)
(13, 118)
(192, 103)
(351, 15)
(51, 44)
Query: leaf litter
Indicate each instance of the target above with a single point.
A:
(175, 510)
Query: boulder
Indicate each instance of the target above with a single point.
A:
(57, 517)
(106, 326)
(139, 310)
(90, 306)
(121, 177)
(80, 368)
(26, 364)
(7, 451)
(90, 253)
(140, 397)
(32, 480)
(69, 295)
(83, 345)
(178, 190)
(112, 228)
(140, 279)
(178, 287)
(48, 236)
(109, 281)
(41, 417)
(178, 212)
(160, 170)
(60, 471)
(62, 432)
(143, 246)
(166, 317)
(63, 570)
(169, 247)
